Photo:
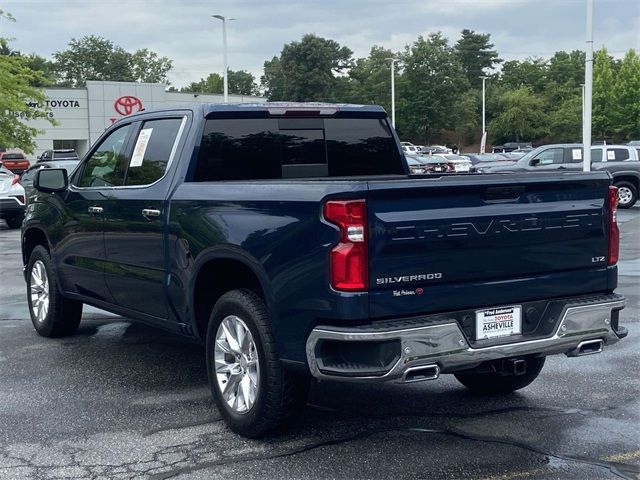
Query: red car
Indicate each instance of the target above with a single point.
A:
(14, 161)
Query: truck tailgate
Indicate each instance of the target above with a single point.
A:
(475, 235)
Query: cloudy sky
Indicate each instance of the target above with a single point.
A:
(185, 32)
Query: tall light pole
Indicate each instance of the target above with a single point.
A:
(588, 90)
(393, 91)
(483, 142)
(224, 48)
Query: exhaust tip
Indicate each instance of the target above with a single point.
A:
(588, 347)
(421, 373)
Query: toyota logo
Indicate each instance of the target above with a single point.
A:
(127, 104)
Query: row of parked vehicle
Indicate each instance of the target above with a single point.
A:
(16, 179)
(622, 161)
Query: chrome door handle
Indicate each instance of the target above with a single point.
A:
(150, 213)
(95, 210)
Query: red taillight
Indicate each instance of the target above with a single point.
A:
(614, 231)
(348, 259)
(16, 179)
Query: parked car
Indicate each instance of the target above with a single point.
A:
(26, 179)
(433, 150)
(290, 240)
(511, 146)
(456, 163)
(435, 164)
(14, 161)
(410, 149)
(12, 198)
(620, 160)
(59, 154)
(416, 166)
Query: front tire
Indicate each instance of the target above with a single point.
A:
(627, 194)
(254, 393)
(52, 314)
(500, 383)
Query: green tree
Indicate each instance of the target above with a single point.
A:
(476, 54)
(603, 97)
(241, 82)
(369, 80)
(212, 84)
(466, 116)
(626, 97)
(19, 99)
(306, 70)
(531, 73)
(148, 67)
(272, 80)
(96, 58)
(520, 116)
(433, 79)
(566, 68)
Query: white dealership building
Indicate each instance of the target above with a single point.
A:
(82, 114)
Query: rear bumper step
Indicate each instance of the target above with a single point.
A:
(411, 352)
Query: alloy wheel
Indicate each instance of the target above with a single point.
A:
(624, 195)
(237, 366)
(39, 291)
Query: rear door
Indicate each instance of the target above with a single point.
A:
(440, 244)
(135, 218)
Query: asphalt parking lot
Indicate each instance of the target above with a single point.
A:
(121, 400)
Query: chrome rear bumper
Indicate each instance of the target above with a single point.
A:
(437, 344)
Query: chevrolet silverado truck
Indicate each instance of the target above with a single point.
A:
(293, 242)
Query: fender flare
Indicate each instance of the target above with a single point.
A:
(230, 252)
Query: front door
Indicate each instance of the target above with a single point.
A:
(81, 253)
(135, 218)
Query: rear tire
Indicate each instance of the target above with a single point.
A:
(627, 194)
(15, 221)
(52, 314)
(497, 383)
(253, 391)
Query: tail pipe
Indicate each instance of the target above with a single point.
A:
(421, 373)
(588, 347)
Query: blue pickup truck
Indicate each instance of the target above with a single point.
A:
(292, 241)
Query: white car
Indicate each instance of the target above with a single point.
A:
(12, 198)
(410, 149)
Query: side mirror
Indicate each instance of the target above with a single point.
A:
(51, 180)
(535, 162)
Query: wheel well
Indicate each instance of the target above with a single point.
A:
(31, 239)
(215, 278)
(631, 179)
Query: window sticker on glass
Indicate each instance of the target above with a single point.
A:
(576, 154)
(141, 147)
(611, 155)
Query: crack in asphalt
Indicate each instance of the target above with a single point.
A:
(620, 470)
(191, 452)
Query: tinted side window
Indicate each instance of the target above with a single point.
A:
(596, 154)
(238, 149)
(361, 146)
(106, 165)
(617, 154)
(152, 151)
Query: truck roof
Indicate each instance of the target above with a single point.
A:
(284, 108)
